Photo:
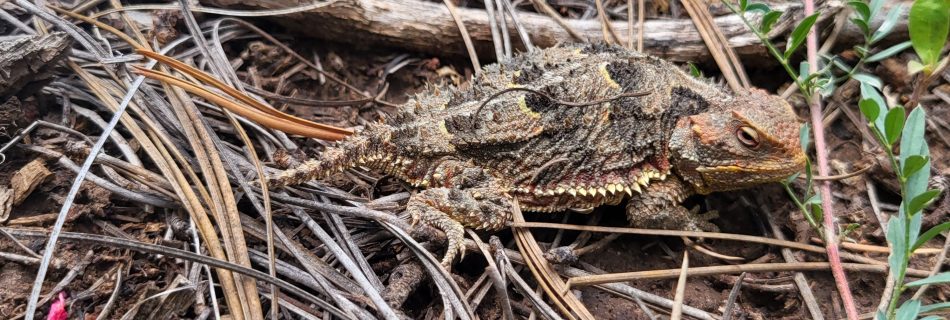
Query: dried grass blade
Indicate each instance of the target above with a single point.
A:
(548, 10)
(555, 288)
(717, 44)
(465, 37)
(68, 202)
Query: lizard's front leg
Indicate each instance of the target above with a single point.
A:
(659, 207)
(463, 196)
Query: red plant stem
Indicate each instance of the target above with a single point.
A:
(824, 187)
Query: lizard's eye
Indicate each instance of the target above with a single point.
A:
(748, 137)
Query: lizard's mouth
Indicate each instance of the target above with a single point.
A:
(731, 177)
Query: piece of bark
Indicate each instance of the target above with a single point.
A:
(23, 182)
(428, 27)
(26, 61)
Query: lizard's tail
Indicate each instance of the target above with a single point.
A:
(366, 146)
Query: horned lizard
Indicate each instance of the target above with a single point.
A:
(648, 133)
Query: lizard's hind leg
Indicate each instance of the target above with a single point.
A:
(468, 197)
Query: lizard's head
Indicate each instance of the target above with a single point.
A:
(749, 140)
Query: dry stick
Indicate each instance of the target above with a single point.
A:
(629, 292)
(717, 45)
(605, 25)
(708, 252)
(496, 275)
(727, 269)
(733, 294)
(546, 8)
(641, 13)
(677, 312)
(522, 33)
(465, 37)
(630, 25)
(708, 235)
(493, 26)
(110, 304)
(824, 187)
(876, 249)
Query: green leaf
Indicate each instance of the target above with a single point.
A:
(880, 315)
(768, 20)
(840, 64)
(895, 237)
(861, 24)
(694, 71)
(914, 229)
(930, 317)
(913, 143)
(799, 34)
(864, 12)
(887, 53)
(804, 136)
(814, 199)
(928, 26)
(876, 6)
(893, 125)
(935, 307)
(913, 164)
(743, 4)
(869, 79)
(826, 86)
(791, 178)
(804, 71)
(909, 310)
(870, 109)
(922, 200)
(760, 7)
(930, 234)
(871, 99)
(817, 213)
(889, 22)
(914, 66)
(937, 278)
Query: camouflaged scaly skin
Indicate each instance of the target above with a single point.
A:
(685, 137)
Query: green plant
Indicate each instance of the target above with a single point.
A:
(912, 165)
(929, 24)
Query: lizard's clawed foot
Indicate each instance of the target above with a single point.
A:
(450, 209)
(702, 221)
(673, 218)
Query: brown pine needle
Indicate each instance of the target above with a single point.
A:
(316, 130)
(253, 114)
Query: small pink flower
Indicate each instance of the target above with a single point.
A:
(57, 311)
